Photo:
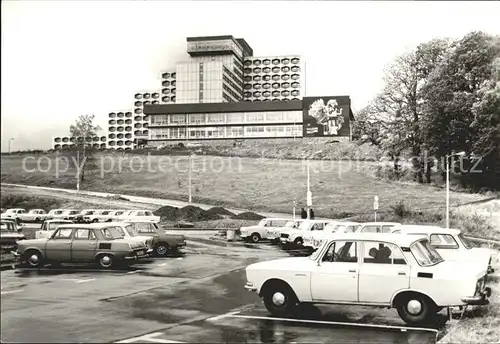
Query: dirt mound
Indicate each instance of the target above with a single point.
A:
(189, 213)
(220, 211)
(249, 215)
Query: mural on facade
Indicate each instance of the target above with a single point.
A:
(325, 116)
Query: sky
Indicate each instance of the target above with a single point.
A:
(61, 59)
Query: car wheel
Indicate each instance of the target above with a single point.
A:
(298, 242)
(105, 261)
(109, 220)
(161, 249)
(95, 220)
(37, 219)
(34, 259)
(255, 237)
(416, 309)
(280, 300)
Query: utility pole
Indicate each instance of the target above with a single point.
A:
(309, 193)
(190, 160)
(11, 139)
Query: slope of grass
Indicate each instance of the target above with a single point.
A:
(338, 187)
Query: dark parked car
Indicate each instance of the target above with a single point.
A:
(10, 233)
(77, 243)
(163, 243)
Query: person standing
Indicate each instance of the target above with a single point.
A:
(311, 214)
(303, 214)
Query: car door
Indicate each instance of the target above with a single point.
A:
(145, 228)
(383, 271)
(335, 278)
(58, 247)
(83, 245)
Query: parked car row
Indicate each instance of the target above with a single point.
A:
(405, 272)
(311, 235)
(80, 216)
(106, 244)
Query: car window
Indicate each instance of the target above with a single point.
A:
(63, 233)
(386, 228)
(140, 213)
(111, 233)
(398, 231)
(382, 253)
(342, 252)
(54, 225)
(371, 229)
(84, 234)
(351, 229)
(145, 228)
(443, 241)
(148, 213)
(317, 227)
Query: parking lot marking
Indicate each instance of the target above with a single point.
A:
(85, 280)
(222, 316)
(11, 292)
(149, 338)
(402, 328)
(162, 264)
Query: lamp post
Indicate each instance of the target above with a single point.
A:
(448, 185)
(309, 193)
(11, 139)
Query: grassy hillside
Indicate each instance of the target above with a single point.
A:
(338, 187)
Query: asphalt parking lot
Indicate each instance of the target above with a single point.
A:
(195, 297)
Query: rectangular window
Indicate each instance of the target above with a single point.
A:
(342, 252)
(443, 241)
(382, 253)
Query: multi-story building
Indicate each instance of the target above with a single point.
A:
(222, 91)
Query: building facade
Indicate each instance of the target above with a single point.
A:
(222, 91)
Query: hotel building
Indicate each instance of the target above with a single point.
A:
(221, 91)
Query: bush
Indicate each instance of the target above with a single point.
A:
(248, 216)
(401, 209)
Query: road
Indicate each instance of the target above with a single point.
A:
(196, 297)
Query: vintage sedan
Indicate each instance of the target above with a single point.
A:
(260, 231)
(49, 227)
(295, 237)
(34, 215)
(163, 242)
(137, 216)
(315, 239)
(274, 234)
(81, 243)
(450, 243)
(381, 270)
(378, 227)
(128, 231)
(10, 234)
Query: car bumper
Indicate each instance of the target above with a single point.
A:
(250, 287)
(181, 245)
(136, 256)
(285, 241)
(478, 300)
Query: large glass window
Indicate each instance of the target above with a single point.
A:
(235, 117)
(216, 118)
(255, 117)
(197, 119)
(178, 119)
(275, 116)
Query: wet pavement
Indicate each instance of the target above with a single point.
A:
(197, 297)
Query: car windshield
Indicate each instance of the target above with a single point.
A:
(305, 225)
(132, 231)
(289, 224)
(316, 253)
(262, 223)
(425, 253)
(467, 243)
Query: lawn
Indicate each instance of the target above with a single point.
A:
(259, 184)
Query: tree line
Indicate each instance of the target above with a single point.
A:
(441, 98)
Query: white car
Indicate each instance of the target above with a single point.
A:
(274, 234)
(49, 227)
(13, 213)
(55, 214)
(450, 243)
(316, 239)
(261, 230)
(34, 215)
(137, 216)
(295, 236)
(382, 270)
(98, 216)
(378, 227)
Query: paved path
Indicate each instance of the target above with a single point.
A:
(146, 200)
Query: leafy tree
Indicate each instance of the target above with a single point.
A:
(460, 100)
(82, 133)
(397, 112)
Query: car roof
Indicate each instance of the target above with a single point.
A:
(58, 220)
(380, 223)
(427, 229)
(349, 223)
(88, 225)
(400, 240)
(278, 218)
